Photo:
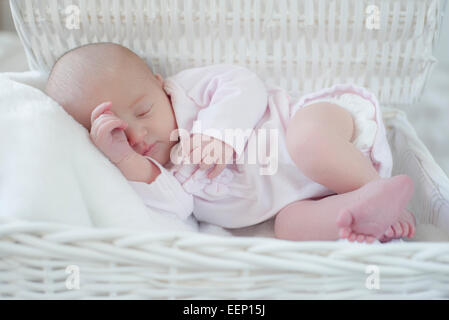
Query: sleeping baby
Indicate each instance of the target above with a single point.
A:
(218, 142)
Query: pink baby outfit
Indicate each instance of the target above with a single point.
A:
(246, 193)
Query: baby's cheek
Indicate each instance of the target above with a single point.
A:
(164, 154)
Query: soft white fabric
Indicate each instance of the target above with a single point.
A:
(50, 170)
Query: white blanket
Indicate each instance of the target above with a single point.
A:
(50, 170)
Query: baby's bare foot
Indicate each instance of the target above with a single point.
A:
(378, 206)
(405, 227)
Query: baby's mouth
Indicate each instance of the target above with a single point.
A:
(149, 149)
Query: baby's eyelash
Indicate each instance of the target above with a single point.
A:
(144, 113)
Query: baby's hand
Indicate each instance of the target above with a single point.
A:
(107, 133)
(207, 152)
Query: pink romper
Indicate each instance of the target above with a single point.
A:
(224, 97)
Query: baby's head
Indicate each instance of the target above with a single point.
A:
(87, 76)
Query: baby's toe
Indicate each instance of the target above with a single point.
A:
(397, 229)
(360, 238)
(405, 229)
(345, 219)
(352, 237)
(344, 233)
(370, 239)
(389, 233)
(412, 231)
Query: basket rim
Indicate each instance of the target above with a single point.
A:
(64, 233)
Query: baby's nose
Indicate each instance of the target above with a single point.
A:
(135, 136)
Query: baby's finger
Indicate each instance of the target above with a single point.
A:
(98, 128)
(195, 156)
(209, 154)
(194, 143)
(215, 172)
(100, 121)
(104, 107)
(206, 166)
(107, 128)
(186, 148)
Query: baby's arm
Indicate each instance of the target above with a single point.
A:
(229, 97)
(108, 135)
(137, 168)
(237, 101)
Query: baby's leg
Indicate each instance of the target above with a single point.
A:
(319, 140)
(372, 209)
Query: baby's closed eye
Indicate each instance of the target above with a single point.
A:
(145, 111)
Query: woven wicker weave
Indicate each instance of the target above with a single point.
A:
(122, 264)
(302, 45)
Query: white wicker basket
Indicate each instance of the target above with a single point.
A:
(292, 40)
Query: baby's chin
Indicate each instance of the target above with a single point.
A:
(160, 154)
